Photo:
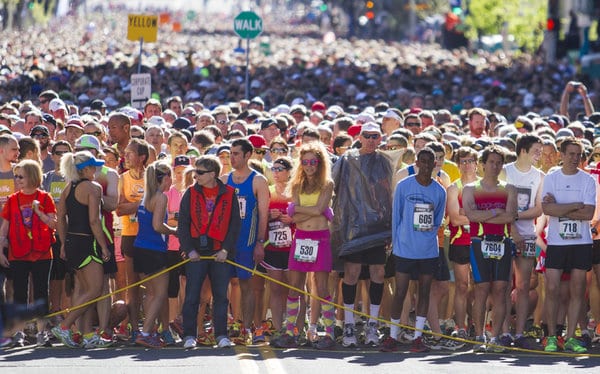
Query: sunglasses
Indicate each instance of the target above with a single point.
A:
(60, 153)
(138, 136)
(595, 154)
(412, 124)
(260, 151)
(43, 101)
(39, 135)
(222, 121)
(311, 162)
(202, 172)
(371, 136)
(96, 133)
(278, 169)
(279, 150)
(467, 162)
(17, 176)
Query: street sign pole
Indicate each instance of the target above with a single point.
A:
(140, 60)
(247, 25)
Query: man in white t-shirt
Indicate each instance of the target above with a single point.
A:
(528, 181)
(569, 196)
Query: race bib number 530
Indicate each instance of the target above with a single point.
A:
(306, 250)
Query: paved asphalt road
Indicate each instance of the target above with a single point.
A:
(264, 360)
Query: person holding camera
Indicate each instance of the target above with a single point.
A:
(208, 225)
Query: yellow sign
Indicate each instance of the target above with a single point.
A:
(142, 26)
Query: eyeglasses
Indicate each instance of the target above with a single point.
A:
(137, 136)
(39, 135)
(44, 101)
(412, 124)
(59, 153)
(279, 150)
(17, 176)
(95, 133)
(260, 151)
(278, 169)
(467, 162)
(222, 121)
(188, 114)
(371, 136)
(202, 172)
(311, 162)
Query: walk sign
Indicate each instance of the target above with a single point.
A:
(248, 25)
(142, 26)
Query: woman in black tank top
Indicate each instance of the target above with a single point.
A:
(84, 246)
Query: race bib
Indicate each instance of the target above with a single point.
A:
(306, 250)
(529, 250)
(280, 234)
(492, 249)
(569, 228)
(242, 202)
(423, 217)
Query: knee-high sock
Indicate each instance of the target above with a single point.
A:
(328, 316)
(292, 307)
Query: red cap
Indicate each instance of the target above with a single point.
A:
(258, 141)
(354, 130)
(318, 106)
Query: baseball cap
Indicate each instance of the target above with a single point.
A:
(258, 100)
(181, 123)
(157, 120)
(181, 161)
(370, 127)
(49, 118)
(266, 123)
(258, 141)
(57, 104)
(89, 162)
(365, 118)
(224, 148)
(37, 129)
(88, 141)
(318, 106)
(97, 105)
(74, 122)
(392, 114)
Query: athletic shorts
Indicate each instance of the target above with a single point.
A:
(371, 256)
(324, 260)
(81, 250)
(148, 261)
(274, 260)
(110, 266)
(245, 257)
(59, 266)
(567, 257)
(460, 254)
(412, 266)
(487, 269)
(596, 252)
(127, 246)
(443, 272)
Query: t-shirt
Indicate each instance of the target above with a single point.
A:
(417, 215)
(527, 186)
(579, 187)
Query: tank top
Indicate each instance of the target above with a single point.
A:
(487, 201)
(147, 237)
(309, 199)
(79, 216)
(248, 210)
(459, 236)
(277, 231)
(133, 191)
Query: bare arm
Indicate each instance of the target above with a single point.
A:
(457, 218)
(111, 195)
(158, 213)
(61, 211)
(261, 191)
(94, 194)
(322, 203)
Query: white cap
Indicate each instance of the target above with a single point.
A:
(370, 127)
(57, 104)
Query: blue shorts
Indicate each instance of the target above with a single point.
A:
(245, 257)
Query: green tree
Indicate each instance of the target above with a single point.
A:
(524, 19)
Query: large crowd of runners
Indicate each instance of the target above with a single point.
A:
(453, 197)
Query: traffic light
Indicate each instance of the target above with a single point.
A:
(370, 13)
(551, 24)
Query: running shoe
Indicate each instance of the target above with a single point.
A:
(311, 335)
(285, 341)
(479, 345)
(389, 344)
(406, 336)
(372, 335)
(495, 346)
(177, 327)
(574, 345)
(258, 336)
(551, 344)
(432, 343)
(535, 332)
(460, 333)
(5, 342)
(524, 342)
(506, 340)
(66, 337)
(189, 342)
(106, 340)
(585, 339)
(206, 339)
(225, 343)
(18, 339)
(267, 327)
(122, 332)
(325, 343)
(349, 339)
(244, 338)
(91, 342)
(167, 337)
(418, 346)
(450, 344)
(149, 341)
